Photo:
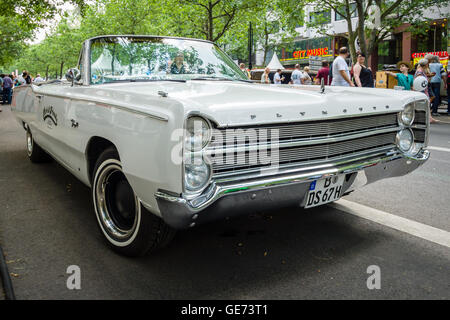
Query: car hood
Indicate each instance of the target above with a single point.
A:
(233, 103)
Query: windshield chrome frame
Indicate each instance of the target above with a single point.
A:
(86, 51)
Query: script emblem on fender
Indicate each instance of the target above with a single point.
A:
(50, 114)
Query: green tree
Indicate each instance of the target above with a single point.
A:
(19, 19)
(274, 23)
(122, 17)
(206, 19)
(222, 21)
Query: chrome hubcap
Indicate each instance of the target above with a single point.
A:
(29, 144)
(117, 205)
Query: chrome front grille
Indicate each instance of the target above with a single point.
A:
(419, 126)
(419, 135)
(302, 143)
(420, 117)
(311, 129)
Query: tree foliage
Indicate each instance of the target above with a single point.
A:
(222, 21)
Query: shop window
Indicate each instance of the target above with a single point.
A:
(389, 52)
(353, 12)
(383, 49)
(320, 17)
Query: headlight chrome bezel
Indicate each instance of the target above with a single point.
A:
(193, 154)
(206, 135)
(402, 116)
(398, 140)
(188, 184)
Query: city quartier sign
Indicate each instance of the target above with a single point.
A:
(443, 56)
(440, 54)
(305, 54)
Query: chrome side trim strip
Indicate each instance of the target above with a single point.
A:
(108, 103)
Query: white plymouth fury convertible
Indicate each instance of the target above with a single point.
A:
(169, 133)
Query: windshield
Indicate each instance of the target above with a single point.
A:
(146, 58)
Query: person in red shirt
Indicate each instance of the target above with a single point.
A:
(323, 73)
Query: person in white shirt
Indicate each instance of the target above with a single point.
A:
(277, 78)
(38, 79)
(341, 73)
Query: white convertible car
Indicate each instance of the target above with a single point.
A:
(169, 133)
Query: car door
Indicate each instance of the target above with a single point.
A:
(54, 127)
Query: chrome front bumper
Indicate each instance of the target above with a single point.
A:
(283, 189)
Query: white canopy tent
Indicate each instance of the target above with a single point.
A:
(275, 63)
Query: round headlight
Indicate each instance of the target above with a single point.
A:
(405, 140)
(196, 176)
(407, 115)
(198, 133)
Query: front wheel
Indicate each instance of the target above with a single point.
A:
(127, 226)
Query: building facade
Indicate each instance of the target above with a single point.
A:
(311, 46)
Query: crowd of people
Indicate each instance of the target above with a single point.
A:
(9, 81)
(359, 75)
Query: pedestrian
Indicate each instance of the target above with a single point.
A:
(404, 79)
(362, 75)
(7, 89)
(277, 77)
(341, 73)
(306, 79)
(21, 78)
(28, 79)
(245, 70)
(323, 73)
(437, 69)
(38, 79)
(422, 70)
(296, 76)
(265, 76)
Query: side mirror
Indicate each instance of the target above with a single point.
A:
(73, 74)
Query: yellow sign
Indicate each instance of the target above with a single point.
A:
(443, 57)
(443, 61)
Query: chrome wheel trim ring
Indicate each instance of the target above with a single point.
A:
(29, 144)
(117, 236)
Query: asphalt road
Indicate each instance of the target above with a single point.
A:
(47, 224)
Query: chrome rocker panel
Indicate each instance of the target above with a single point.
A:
(281, 190)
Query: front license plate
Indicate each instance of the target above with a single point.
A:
(324, 191)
